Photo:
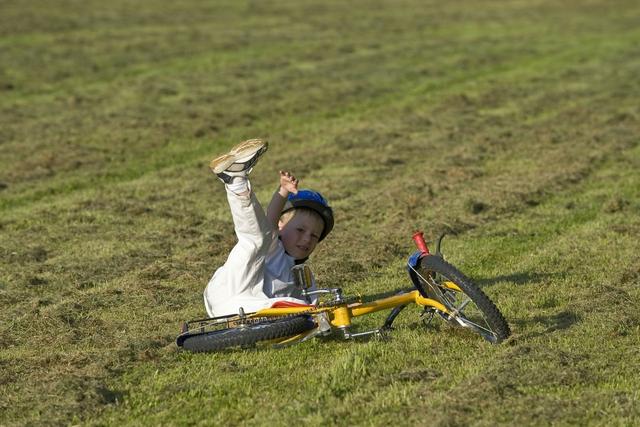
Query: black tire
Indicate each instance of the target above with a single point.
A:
(474, 310)
(248, 335)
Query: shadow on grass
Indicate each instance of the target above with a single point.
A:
(524, 278)
(556, 322)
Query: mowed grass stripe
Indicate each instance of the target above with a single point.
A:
(158, 68)
(178, 162)
(186, 152)
(449, 211)
(186, 45)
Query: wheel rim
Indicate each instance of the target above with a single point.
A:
(468, 315)
(462, 311)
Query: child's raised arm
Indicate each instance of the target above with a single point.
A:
(288, 184)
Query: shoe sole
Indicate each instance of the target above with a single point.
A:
(244, 149)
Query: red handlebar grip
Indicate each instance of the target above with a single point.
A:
(418, 237)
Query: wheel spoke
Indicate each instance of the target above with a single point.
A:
(436, 289)
(462, 318)
(488, 334)
(465, 305)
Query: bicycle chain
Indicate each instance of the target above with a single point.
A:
(346, 301)
(238, 323)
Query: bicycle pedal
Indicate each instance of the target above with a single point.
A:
(426, 321)
(348, 335)
(428, 310)
(384, 335)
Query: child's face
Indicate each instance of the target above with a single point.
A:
(300, 234)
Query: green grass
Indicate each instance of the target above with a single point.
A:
(512, 124)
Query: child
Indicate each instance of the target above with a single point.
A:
(257, 272)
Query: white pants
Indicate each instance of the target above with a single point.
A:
(239, 282)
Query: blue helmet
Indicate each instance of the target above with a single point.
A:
(312, 200)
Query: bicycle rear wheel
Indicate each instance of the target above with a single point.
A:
(247, 335)
(467, 306)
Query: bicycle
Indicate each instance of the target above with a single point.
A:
(440, 289)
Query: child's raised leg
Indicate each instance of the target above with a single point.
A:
(239, 282)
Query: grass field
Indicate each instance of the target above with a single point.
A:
(514, 124)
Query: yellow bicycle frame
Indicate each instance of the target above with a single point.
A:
(340, 315)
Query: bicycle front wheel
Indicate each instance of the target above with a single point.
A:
(467, 306)
(248, 334)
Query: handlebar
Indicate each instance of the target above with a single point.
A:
(418, 238)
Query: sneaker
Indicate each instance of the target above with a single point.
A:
(239, 161)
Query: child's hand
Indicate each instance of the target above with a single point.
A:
(288, 184)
